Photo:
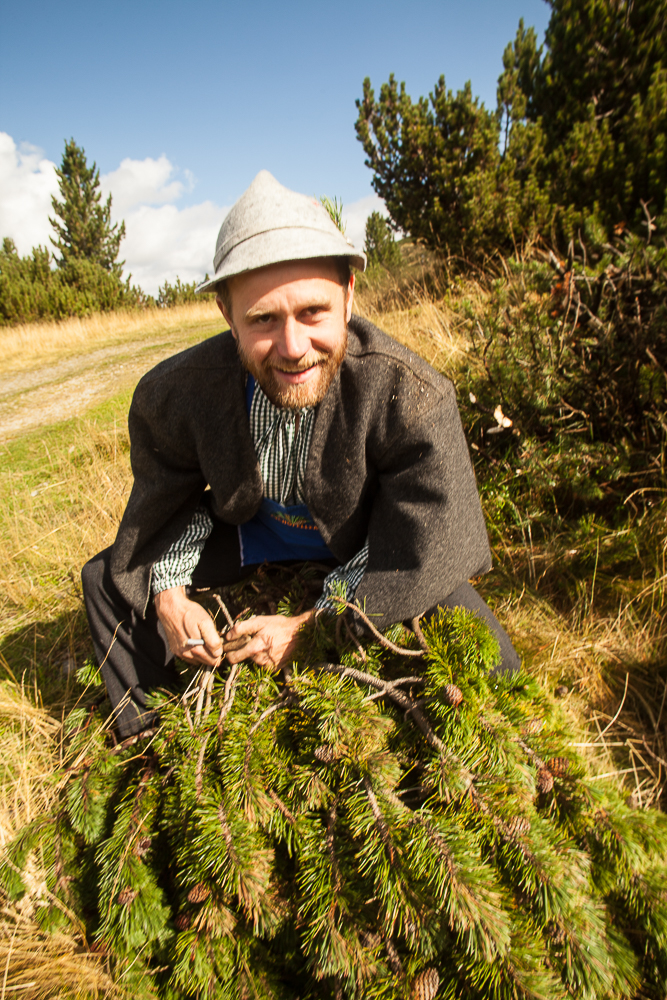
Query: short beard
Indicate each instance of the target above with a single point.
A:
(296, 397)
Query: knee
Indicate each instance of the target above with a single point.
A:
(94, 572)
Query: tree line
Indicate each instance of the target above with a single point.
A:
(84, 274)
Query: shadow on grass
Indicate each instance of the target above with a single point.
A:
(43, 658)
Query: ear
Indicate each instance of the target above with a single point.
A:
(221, 306)
(349, 298)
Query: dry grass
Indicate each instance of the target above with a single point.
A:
(430, 326)
(30, 344)
(34, 964)
(37, 966)
(57, 512)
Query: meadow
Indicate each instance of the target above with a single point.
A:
(583, 598)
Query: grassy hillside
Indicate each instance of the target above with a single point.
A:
(585, 601)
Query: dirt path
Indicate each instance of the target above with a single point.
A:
(46, 395)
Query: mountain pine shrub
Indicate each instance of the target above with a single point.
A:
(578, 137)
(386, 819)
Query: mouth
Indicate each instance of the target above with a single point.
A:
(296, 377)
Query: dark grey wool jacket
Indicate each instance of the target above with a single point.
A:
(388, 460)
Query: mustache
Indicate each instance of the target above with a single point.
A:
(299, 366)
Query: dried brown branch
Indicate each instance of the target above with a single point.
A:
(380, 821)
(387, 643)
(223, 608)
(421, 638)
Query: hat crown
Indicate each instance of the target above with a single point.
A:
(267, 205)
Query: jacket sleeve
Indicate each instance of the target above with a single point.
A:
(426, 532)
(168, 485)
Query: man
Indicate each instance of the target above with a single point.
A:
(301, 433)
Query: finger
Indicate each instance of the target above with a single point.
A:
(254, 645)
(198, 655)
(202, 655)
(204, 626)
(231, 645)
(248, 627)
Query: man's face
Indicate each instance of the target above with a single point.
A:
(290, 325)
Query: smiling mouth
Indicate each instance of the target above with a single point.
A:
(295, 377)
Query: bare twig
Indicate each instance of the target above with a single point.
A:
(421, 638)
(380, 821)
(400, 698)
(223, 608)
(352, 636)
(387, 643)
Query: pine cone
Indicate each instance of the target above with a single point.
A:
(533, 727)
(182, 921)
(545, 780)
(199, 893)
(425, 985)
(325, 754)
(143, 847)
(127, 896)
(518, 825)
(559, 766)
(452, 695)
(557, 933)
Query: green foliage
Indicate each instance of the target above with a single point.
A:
(593, 361)
(31, 289)
(438, 167)
(84, 231)
(569, 387)
(355, 830)
(181, 293)
(600, 92)
(335, 210)
(579, 135)
(380, 246)
(87, 276)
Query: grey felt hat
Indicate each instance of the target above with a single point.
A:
(270, 224)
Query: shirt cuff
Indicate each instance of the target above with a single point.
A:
(176, 566)
(347, 576)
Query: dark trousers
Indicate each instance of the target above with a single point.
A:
(133, 652)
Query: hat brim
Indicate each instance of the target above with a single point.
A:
(277, 246)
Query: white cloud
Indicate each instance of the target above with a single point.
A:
(27, 181)
(143, 182)
(163, 241)
(166, 242)
(355, 215)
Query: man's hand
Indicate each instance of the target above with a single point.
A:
(184, 619)
(274, 639)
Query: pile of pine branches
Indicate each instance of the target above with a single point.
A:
(385, 819)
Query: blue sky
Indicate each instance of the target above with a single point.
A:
(206, 94)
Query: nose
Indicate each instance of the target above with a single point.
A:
(294, 342)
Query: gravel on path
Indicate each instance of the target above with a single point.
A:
(51, 393)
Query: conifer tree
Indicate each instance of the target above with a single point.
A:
(84, 231)
(578, 138)
(387, 819)
(380, 246)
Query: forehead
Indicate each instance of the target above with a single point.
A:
(287, 278)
